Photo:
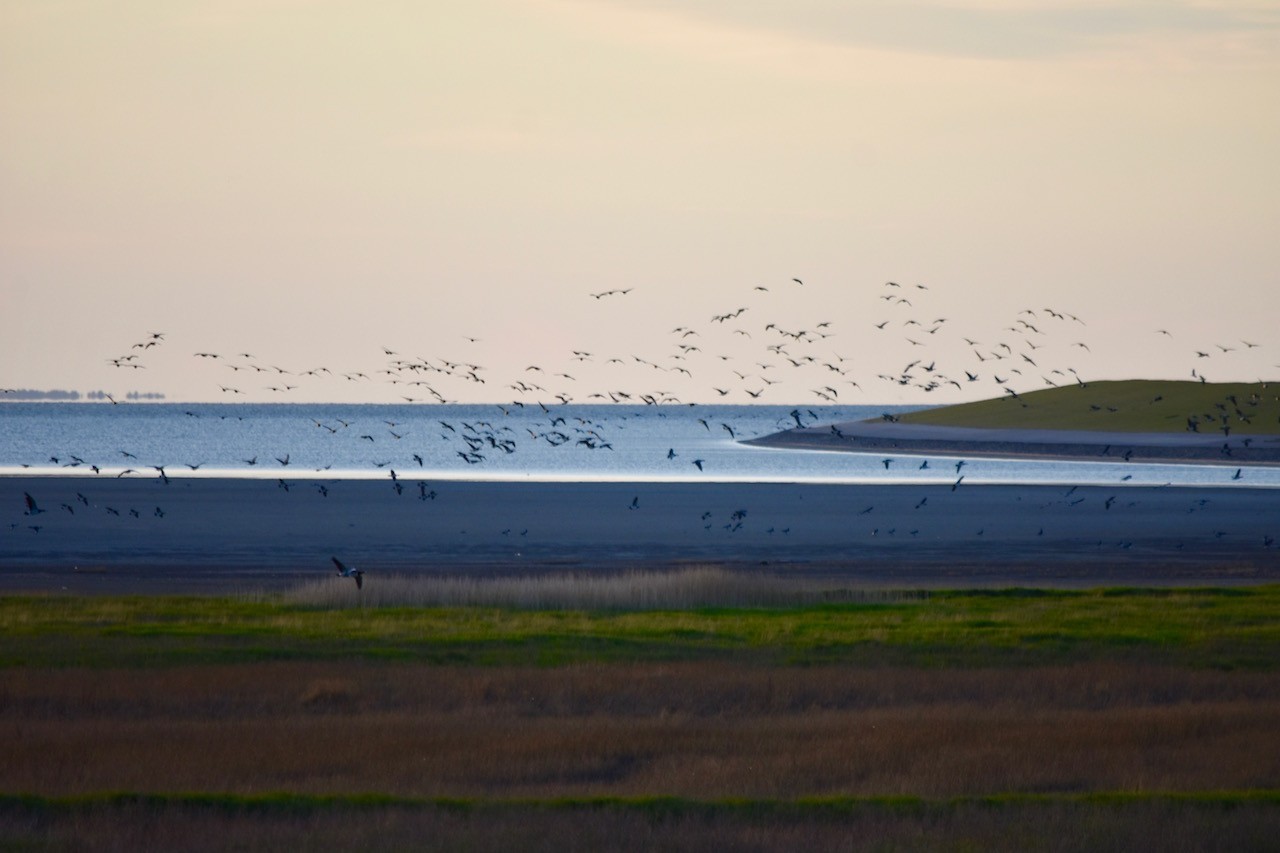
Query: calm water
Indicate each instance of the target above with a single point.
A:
(574, 443)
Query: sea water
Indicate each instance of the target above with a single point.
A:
(491, 442)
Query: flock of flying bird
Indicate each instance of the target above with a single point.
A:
(734, 355)
(704, 356)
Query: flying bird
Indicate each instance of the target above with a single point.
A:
(32, 508)
(349, 572)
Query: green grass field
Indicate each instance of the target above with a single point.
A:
(1194, 627)
(1137, 405)
(1221, 822)
(1110, 719)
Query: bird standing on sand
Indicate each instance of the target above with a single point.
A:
(349, 572)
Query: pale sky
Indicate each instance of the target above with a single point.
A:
(313, 183)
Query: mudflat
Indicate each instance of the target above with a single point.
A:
(219, 535)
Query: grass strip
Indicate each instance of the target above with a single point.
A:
(1204, 628)
(288, 802)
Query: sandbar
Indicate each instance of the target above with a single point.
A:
(890, 436)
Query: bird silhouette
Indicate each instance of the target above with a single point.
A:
(349, 572)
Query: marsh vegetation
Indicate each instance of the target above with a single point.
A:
(1014, 719)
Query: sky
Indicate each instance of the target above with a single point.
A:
(338, 199)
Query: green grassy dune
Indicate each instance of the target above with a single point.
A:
(1135, 405)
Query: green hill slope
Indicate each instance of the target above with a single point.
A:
(1135, 405)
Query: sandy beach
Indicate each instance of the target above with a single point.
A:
(228, 534)
(1095, 445)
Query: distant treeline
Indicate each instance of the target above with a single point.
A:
(60, 394)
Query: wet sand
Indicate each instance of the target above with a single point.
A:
(221, 535)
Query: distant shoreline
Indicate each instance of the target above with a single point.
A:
(1096, 446)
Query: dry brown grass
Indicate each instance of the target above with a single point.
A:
(705, 586)
(698, 730)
